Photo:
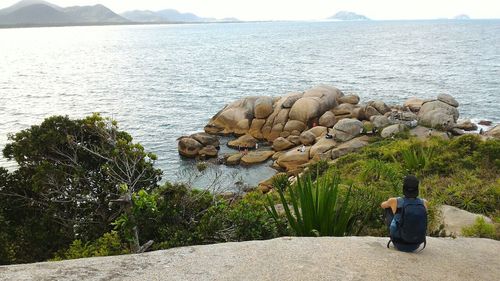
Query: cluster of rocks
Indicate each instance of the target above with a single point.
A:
(319, 124)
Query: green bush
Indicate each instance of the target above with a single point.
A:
(480, 229)
(318, 209)
(109, 244)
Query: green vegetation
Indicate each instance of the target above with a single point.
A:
(318, 209)
(481, 229)
(83, 188)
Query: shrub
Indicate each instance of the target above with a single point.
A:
(480, 229)
(109, 244)
(318, 209)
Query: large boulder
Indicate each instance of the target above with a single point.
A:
(347, 129)
(380, 121)
(423, 133)
(208, 151)
(343, 110)
(392, 130)
(256, 128)
(371, 111)
(437, 119)
(263, 107)
(189, 147)
(292, 125)
(294, 139)
(350, 99)
(437, 105)
(467, 125)
(255, 157)
(234, 159)
(307, 138)
(348, 147)
(327, 119)
(380, 106)
(318, 131)
(414, 104)
(448, 99)
(206, 139)
(245, 141)
(290, 99)
(321, 146)
(294, 158)
(280, 144)
(494, 132)
(234, 118)
(454, 219)
(328, 97)
(305, 109)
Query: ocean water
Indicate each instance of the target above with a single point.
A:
(164, 81)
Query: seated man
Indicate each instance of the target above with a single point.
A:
(406, 218)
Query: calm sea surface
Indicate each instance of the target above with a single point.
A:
(164, 81)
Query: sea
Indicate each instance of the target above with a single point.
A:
(161, 82)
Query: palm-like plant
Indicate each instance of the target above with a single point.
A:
(318, 209)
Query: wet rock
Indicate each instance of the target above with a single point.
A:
(234, 159)
(255, 157)
(189, 147)
(208, 151)
(206, 139)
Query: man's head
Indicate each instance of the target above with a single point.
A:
(410, 186)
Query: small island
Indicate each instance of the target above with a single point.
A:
(348, 16)
(462, 17)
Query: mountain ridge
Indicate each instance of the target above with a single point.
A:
(39, 13)
(348, 16)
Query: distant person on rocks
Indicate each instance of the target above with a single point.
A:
(303, 148)
(406, 217)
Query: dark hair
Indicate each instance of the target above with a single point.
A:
(410, 186)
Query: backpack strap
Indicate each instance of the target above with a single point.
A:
(389, 243)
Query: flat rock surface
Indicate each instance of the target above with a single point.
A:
(324, 258)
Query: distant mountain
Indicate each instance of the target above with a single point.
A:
(167, 15)
(462, 17)
(36, 12)
(345, 15)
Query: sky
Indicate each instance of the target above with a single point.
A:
(303, 9)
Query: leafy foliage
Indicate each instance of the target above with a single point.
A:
(481, 229)
(107, 245)
(318, 209)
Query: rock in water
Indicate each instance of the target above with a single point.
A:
(189, 147)
(255, 157)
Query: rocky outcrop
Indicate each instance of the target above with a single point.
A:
(414, 104)
(300, 258)
(466, 125)
(281, 143)
(454, 219)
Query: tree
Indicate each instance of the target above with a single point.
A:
(75, 169)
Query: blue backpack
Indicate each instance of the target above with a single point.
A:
(409, 225)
